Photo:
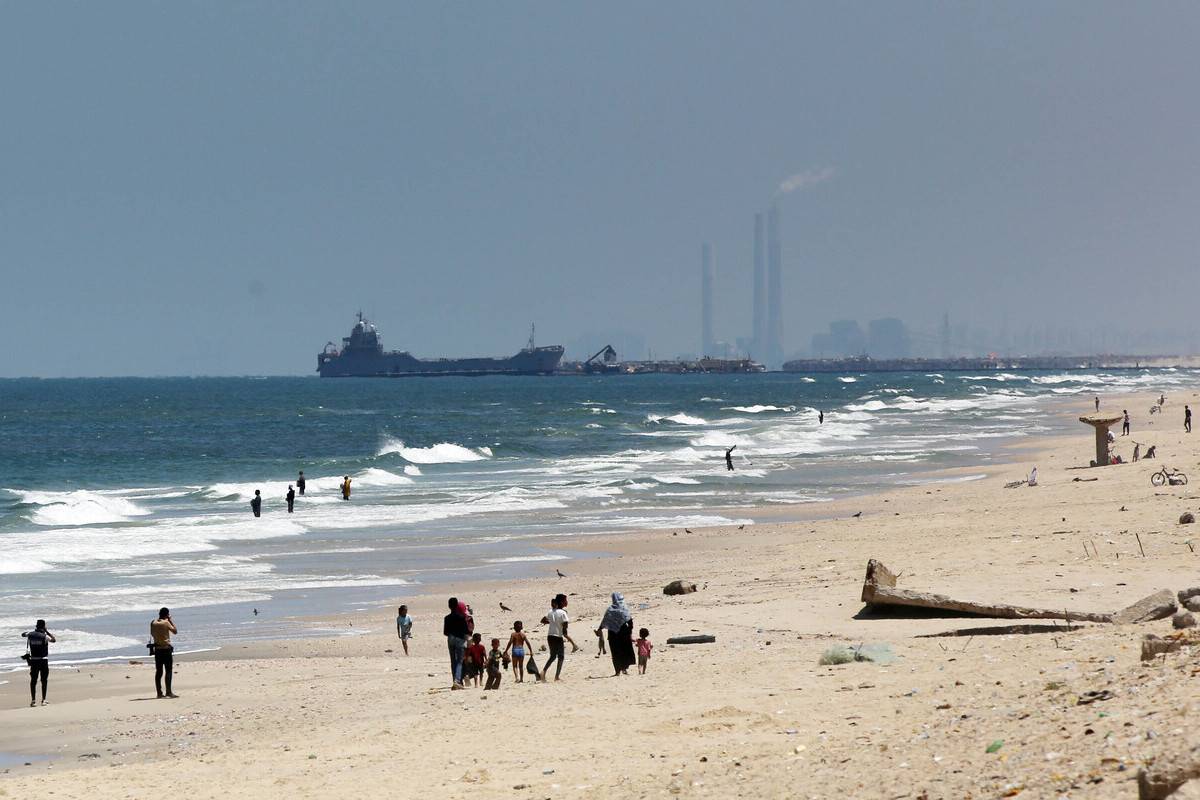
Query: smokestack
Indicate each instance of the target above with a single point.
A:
(706, 300)
(774, 352)
(759, 336)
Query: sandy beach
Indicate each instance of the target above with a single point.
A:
(753, 715)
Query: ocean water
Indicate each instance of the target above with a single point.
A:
(118, 496)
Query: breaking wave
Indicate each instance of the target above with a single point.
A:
(441, 453)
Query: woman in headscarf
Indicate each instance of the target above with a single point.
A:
(619, 624)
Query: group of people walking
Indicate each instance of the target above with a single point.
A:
(290, 497)
(469, 660)
(37, 655)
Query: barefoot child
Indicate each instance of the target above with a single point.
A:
(518, 642)
(643, 650)
(404, 627)
(474, 660)
(495, 666)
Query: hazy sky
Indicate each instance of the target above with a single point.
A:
(214, 188)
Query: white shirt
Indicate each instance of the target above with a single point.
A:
(557, 618)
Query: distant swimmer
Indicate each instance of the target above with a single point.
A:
(729, 458)
(256, 504)
(820, 417)
(346, 488)
(300, 482)
(291, 498)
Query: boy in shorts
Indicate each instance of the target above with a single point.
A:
(404, 627)
(495, 666)
(519, 644)
(474, 660)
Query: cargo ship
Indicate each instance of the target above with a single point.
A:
(362, 356)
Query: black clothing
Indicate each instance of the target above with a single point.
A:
(38, 668)
(256, 506)
(455, 624)
(557, 651)
(291, 499)
(39, 644)
(164, 664)
(620, 645)
(300, 485)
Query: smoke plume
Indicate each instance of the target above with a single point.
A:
(804, 180)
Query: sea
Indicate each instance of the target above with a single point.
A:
(118, 496)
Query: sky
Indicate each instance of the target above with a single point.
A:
(216, 188)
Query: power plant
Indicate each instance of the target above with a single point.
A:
(765, 344)
(706, 300)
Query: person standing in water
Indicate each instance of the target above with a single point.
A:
(729, 458)
(346, 488)
(291, 498)
(38, 641)
(164, 652)
(820, 417)
(300, 483)
(256, 503)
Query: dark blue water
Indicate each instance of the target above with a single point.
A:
(117, 496)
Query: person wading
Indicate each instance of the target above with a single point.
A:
(291, 498)
(256, 503)
(729, 458)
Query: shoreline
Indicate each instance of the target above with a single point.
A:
(775, 595)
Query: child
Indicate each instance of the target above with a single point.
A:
(474, 660)
(600, 638)
(643, 650)
(494, 671)
(404, 627)
(518, 642)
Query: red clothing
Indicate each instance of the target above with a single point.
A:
(644, 647)
(477, 654)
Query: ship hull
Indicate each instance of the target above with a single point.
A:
(536, 361)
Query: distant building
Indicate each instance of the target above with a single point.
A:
(845, 338)
(888, 338)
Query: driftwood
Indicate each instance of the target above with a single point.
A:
(702, 638)
(879, 589)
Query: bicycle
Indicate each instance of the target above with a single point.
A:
(1168, 476)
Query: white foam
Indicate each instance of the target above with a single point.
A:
(808, 380)
(78, 507)
(441, 453)
(678, 419)
(758, 409)
(675, 479)
(848, 380)
(521, 559)
(412, 469)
